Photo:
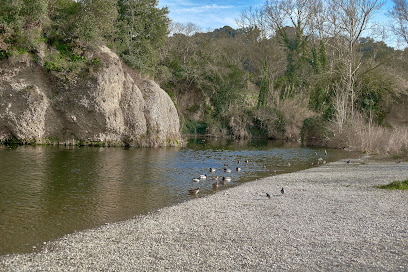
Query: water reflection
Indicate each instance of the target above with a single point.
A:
(46, 192)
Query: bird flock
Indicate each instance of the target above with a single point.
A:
(222, 180)
(219, 180)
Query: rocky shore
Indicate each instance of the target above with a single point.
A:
(330, 218)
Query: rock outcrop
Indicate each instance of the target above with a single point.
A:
(108, 106)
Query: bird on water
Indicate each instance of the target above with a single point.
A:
(194, 191)
(282, 191)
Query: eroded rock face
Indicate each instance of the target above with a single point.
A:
(106, 106)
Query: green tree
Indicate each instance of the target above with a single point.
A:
(95, 21)
(22, 23)
(141, 31)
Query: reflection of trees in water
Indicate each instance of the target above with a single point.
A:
(22, 181)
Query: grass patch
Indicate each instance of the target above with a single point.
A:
(396, 185)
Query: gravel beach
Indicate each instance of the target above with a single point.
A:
(330, 218)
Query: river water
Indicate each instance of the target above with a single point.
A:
(47, 192)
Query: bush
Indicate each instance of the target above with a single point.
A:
(65, 61)
(313, 131)
(192, 127)
(359, 136)
(268, 122)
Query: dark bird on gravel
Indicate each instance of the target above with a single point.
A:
(268, 195)
(282, 191)
(194, 191)
(348, 161)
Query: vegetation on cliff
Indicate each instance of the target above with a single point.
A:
(291, 69)
(66, 31)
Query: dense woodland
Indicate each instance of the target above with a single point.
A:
(306, 69)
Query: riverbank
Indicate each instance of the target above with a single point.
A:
(330, 218)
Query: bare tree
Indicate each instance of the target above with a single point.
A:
(348, 20)
(187, 29)
(254, 19)
(400, 14)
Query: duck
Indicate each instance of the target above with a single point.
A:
(212, 169)
(215, 185)
(194, 191)
(227, 170)
(214, 178)
(246, 161)
(227, 179)
(238, 169)
(203, 176)
(196, 179)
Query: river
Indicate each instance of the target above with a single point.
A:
(47, 191)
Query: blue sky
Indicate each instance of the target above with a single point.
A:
(208, 14)
(212, 14)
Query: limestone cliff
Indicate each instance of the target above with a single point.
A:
(105, 106)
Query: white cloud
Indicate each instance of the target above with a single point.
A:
(200, 9)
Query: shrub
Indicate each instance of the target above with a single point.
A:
(193, 127)
(360, 136)
(267, 121)
(313, 131)
(396, 185)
